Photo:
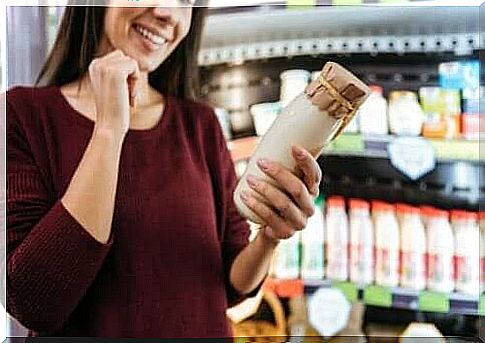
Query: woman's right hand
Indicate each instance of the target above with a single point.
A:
(114, 80)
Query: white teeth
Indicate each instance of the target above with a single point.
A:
(155, 39)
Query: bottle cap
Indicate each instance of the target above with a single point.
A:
(358, 204)
(407, 209)
(437, 213)
(376, 89)
(481, 215)
(335, 201)
(426, 210)
(382, 206)
(338, 92)
(463, 215)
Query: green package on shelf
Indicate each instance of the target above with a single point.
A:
(434, 302)
(378, 296)
(349, 143)
(349, 289)
(481, 305)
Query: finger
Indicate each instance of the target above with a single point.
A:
(312, 174)
(290, 184)
(279, 226)
(280, 201)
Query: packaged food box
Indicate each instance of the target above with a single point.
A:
(461, 75)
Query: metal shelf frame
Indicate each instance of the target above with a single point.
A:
(460, 44)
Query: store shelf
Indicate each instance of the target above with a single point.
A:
(373, 146)
(400, 298)
(263, 33)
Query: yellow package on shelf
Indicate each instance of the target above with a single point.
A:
(456, 149)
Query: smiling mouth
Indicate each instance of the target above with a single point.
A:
(150, 36)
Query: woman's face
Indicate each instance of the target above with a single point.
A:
(147, 34)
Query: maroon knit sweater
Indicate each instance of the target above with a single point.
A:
(175, 232)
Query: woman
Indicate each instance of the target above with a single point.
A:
(119, 207)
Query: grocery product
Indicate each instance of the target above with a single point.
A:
(293, 83)
(467, 252)
(312, 239)
(405, 114)
(470, 126)
(264, 116)
(482, 250)
(442, 108)
(426, 212)
(311, 121)
(286, 260)
(463, 75)
(386, 244)
(413, 250)
(373, 113)
(440, 252)
(337, 239)
(361, 243)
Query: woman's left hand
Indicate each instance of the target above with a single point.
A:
(286, 207)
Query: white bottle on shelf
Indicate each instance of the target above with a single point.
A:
(413, 250)
(482, 250)
(467, 252)
(361, 243)
(386, 243)
(440, 252)
(286, 260)
(337, 234)
(406, 117)
(312, 239)
(372, 116)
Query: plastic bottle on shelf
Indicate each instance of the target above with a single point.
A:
(372, 116)
(440, 252)
(413, 250)
(467, 252)
(312, 239)
(286, 260)
(406, 117)
(481, 216)
(293, 83)
(361, 243)
(387, 244)
(336, 223)
(426, 214)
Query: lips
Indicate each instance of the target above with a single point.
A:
(153, 37)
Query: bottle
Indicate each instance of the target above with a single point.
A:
(481, 216)
(413, 250)
(405, 114)
(312, 120)
(337, 234)
(467, 252)
(373, 113)
(312, 241)
(387, 244)
(361, 243)
(286, 260)
(440, 252)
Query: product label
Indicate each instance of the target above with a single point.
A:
(467, 272)
(412, 267)
(362, 266)
(337, 261)
(387, 265)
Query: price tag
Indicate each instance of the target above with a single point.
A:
(412, 156)
(349, 289)
(434, 302)
(378, 296)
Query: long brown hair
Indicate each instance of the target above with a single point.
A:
(80, 34)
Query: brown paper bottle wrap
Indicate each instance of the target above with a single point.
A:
(339, 93)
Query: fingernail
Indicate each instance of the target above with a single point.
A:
(245, 196)
(252, 181)
(299, 152)
(264, 164)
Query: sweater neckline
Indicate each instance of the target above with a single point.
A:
(132, 133)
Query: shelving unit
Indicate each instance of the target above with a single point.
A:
(262, 33)
(396, 297)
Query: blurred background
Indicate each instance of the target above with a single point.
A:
(405, 179)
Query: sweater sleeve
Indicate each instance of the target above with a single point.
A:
(236, 230)
(51, 258)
